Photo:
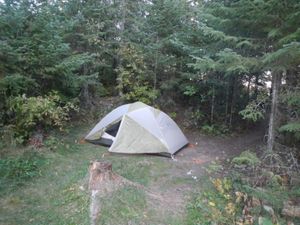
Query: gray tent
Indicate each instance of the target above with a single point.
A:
(138, 128)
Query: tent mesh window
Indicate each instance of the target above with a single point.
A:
(113, 130)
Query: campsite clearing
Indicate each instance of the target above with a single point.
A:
(59, 195)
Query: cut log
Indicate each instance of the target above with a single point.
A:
(100, 174)
(101, 182)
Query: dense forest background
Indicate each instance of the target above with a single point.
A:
(231, 64)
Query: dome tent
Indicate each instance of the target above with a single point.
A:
(138, 128)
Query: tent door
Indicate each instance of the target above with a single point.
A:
(113, 129)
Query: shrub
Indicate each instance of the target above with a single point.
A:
(246, 158)
(215, 205)
(255, 110)
(32, 112)
(16, 84)
(215, 129)
(292, 128)
(134, 77)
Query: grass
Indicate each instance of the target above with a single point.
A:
(54, 195)
(126, 206)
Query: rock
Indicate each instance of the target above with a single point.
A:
(291, 208)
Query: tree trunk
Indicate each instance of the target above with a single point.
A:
(101, 180)
(121, 35)
(85, 97)
(227, 103)
(276, 82)
(256, 86)
(212, 105)
(233, 99)
(248, 89)
(156, 64)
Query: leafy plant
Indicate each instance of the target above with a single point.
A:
(133, 77)
(17, 84)
(252, 113)
(190, 90)
(173, 115)
(293, 128)
(208, 129)
(197, 116)
(291, 98)
(215, 129)
(255, 110)
(216, 204)
(47, 111)
(246, 158)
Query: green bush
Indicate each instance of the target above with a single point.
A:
(197, 116)
(215, 129)
(32, 112)
(17, 84)
(134, 77)
(143, 94)
(255, 110)
(246, 158)
(292, 128)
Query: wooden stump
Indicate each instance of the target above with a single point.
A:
(100, 175)
(101, 182)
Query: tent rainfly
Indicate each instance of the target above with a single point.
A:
(138, 128)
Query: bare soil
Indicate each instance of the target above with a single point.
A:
(184, 173)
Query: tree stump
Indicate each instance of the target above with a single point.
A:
(101, 182)
(100, 175)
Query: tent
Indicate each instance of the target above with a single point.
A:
(138, 128)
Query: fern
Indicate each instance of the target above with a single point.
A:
(292, 127)
(246, 158)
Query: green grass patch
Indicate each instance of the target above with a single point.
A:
(126, 206)
(16, 171)
(132, 169)
(52, 183)
(54, 195)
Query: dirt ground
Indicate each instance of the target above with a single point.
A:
(188, 167)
